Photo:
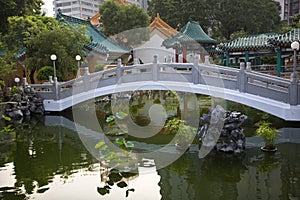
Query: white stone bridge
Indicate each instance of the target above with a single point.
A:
(274, 95)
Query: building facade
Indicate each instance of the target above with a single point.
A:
(289, 8)
(86, 8)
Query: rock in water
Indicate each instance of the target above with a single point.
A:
(211, 131)
(221, 130)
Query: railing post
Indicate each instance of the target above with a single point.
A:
(155, 71)
(195, 70)
(206, 60)
(24, 82)
(293, 91)
(241, 82)
(119, 71)
(248, 66)
(51, 79)
(135, 63)
(55, 89)
(86, 79)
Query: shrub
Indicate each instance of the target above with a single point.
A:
(45, 72)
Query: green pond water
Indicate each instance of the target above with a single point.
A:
(54, 157)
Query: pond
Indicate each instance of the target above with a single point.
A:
(54, 157)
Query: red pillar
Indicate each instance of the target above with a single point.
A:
(184, 54)
(176, 56)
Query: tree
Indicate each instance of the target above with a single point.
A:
(119, 19)
(254, 17)
(42, 36)
(64, 41)
(224, 17)
(20, 29)
(177, 12)
(10, 8)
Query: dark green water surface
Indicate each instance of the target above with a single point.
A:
(50, 159)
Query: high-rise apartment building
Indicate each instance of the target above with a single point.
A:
(87, 8)
(289, 8)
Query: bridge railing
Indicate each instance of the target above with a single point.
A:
(243, 80)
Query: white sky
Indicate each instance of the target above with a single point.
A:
(48, 7)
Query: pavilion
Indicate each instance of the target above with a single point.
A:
(253, 47)
(191, 39)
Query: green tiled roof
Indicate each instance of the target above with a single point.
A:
(99, 42)
(191, 32)
(249, 43)
(286, 39)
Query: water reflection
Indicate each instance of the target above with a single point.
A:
(252, 175)
(48, 160)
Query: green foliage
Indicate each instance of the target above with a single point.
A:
(7, 130)
(173, 125)
(22, 28)
(268, 133)
(238, 34)
(7, 133)
(6, 118)
(177, 12)
(125, 21)
(295, 21)
(110, 119)
(115, 130)
(99, 67)
(14, 90)
(66, 42)
(17, 8)
(225, 17)
(120, 158)
(7, 61)
(2, 84)
(123, 143)
(121, 115)
(184, 133)
(42, 36)
(45, 72)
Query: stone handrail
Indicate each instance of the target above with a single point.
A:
(243, 80)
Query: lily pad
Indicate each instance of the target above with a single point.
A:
(129, 144)
(110, 118)
(99, 145)
(121, 115)
(122, 184)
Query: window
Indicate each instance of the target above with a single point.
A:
(66, 10)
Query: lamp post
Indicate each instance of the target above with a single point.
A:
(295, 47)
(78, 58)
(17, 80)
(53, 58)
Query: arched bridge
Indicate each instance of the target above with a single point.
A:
(274, 95)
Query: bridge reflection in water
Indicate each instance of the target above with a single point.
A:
(51, 163)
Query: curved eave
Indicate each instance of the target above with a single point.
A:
(248, 48)
(100, 43)
(183, 39)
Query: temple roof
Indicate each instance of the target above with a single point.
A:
(192, 31)
(95, 19)
(249, 43)
(99, 42)
(286, 39)
(162, 26)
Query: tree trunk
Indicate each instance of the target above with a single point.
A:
(31, 76)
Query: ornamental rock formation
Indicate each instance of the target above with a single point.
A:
(228, 138)
(24, 103)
